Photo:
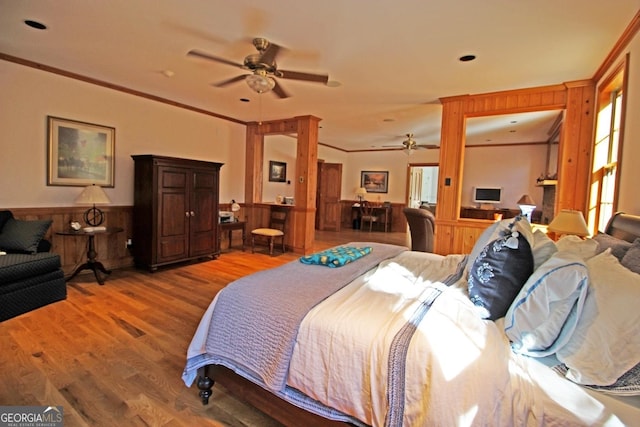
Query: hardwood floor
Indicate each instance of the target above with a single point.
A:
(114, 354)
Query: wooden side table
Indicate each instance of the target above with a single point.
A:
(92, 263)
(234, 225)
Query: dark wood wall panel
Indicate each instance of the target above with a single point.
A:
(112, 250)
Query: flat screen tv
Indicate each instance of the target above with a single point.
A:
(487, 194)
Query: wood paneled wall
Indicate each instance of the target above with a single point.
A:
(301, 235)
(456, 235)
(112, 250)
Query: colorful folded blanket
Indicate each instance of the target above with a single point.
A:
(336, 257)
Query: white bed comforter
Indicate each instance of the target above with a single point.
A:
(459, 368)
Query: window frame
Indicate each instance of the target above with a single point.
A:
(599, 210)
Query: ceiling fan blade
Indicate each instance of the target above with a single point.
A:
(279, 91)
(428, 146)
(270, 53)
(229, 81)
(203, 55)
(295, 75)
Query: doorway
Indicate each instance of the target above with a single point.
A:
(423, 185)
(328, 206)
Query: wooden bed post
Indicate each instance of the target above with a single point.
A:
(205, 384)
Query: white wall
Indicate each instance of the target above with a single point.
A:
(142, 127)
(279, 148)
(28, 96)
(396, 162)
(514, 168)
(628, 200)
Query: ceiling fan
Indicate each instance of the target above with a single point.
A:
(263, 67)
(410, 144)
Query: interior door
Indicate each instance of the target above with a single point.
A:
(415, 189)
(329, 211)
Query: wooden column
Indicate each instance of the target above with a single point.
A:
(301, 234)
(574, 153)
(450, 173)
(306, 183)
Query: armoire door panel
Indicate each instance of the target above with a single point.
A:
(173, 248)
(174, 212)
(172, 178)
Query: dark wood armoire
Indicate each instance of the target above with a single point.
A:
(175, 213)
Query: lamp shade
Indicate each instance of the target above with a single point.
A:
(92, 195)
(569, 222)
(361, 191)
(526, 200)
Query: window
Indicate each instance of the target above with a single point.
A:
(605, 169)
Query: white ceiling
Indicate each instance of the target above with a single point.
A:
(393, 60)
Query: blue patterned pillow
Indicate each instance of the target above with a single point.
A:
(498, 273)
(23, 236)
(336, 257)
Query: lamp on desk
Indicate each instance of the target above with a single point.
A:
(526, 205)
(93, 195)
(361, 192)
(234, 208)
(569, 222)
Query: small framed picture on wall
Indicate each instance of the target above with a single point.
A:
(80, 154)
(277, 171)
(375, 181)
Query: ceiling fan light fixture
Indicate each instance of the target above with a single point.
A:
(259, 83)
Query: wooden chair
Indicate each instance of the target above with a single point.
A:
(367, 214)
(277, 220)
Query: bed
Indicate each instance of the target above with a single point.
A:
(521, 331)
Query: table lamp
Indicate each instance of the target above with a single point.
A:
(361, 192)
(93, 195)
(569, 222)
(526, 205)
(234, 208)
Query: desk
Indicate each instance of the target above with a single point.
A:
(382, 212)
(234, 225)
(92, 263)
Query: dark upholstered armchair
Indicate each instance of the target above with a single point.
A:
(421, 225)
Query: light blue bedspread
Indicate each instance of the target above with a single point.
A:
(255, 319)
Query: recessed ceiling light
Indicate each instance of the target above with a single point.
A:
(467, 58)
(35, 24)
(245, 100)
(389, 120)
(168, 73)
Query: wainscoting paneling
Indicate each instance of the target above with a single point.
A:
(112, 250)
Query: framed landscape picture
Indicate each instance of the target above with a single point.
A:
(80, 154)
(277, 171)
(375, 181)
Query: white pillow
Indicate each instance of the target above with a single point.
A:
(584, 248)
(536, 323)
(543, 247)
(606, 343)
